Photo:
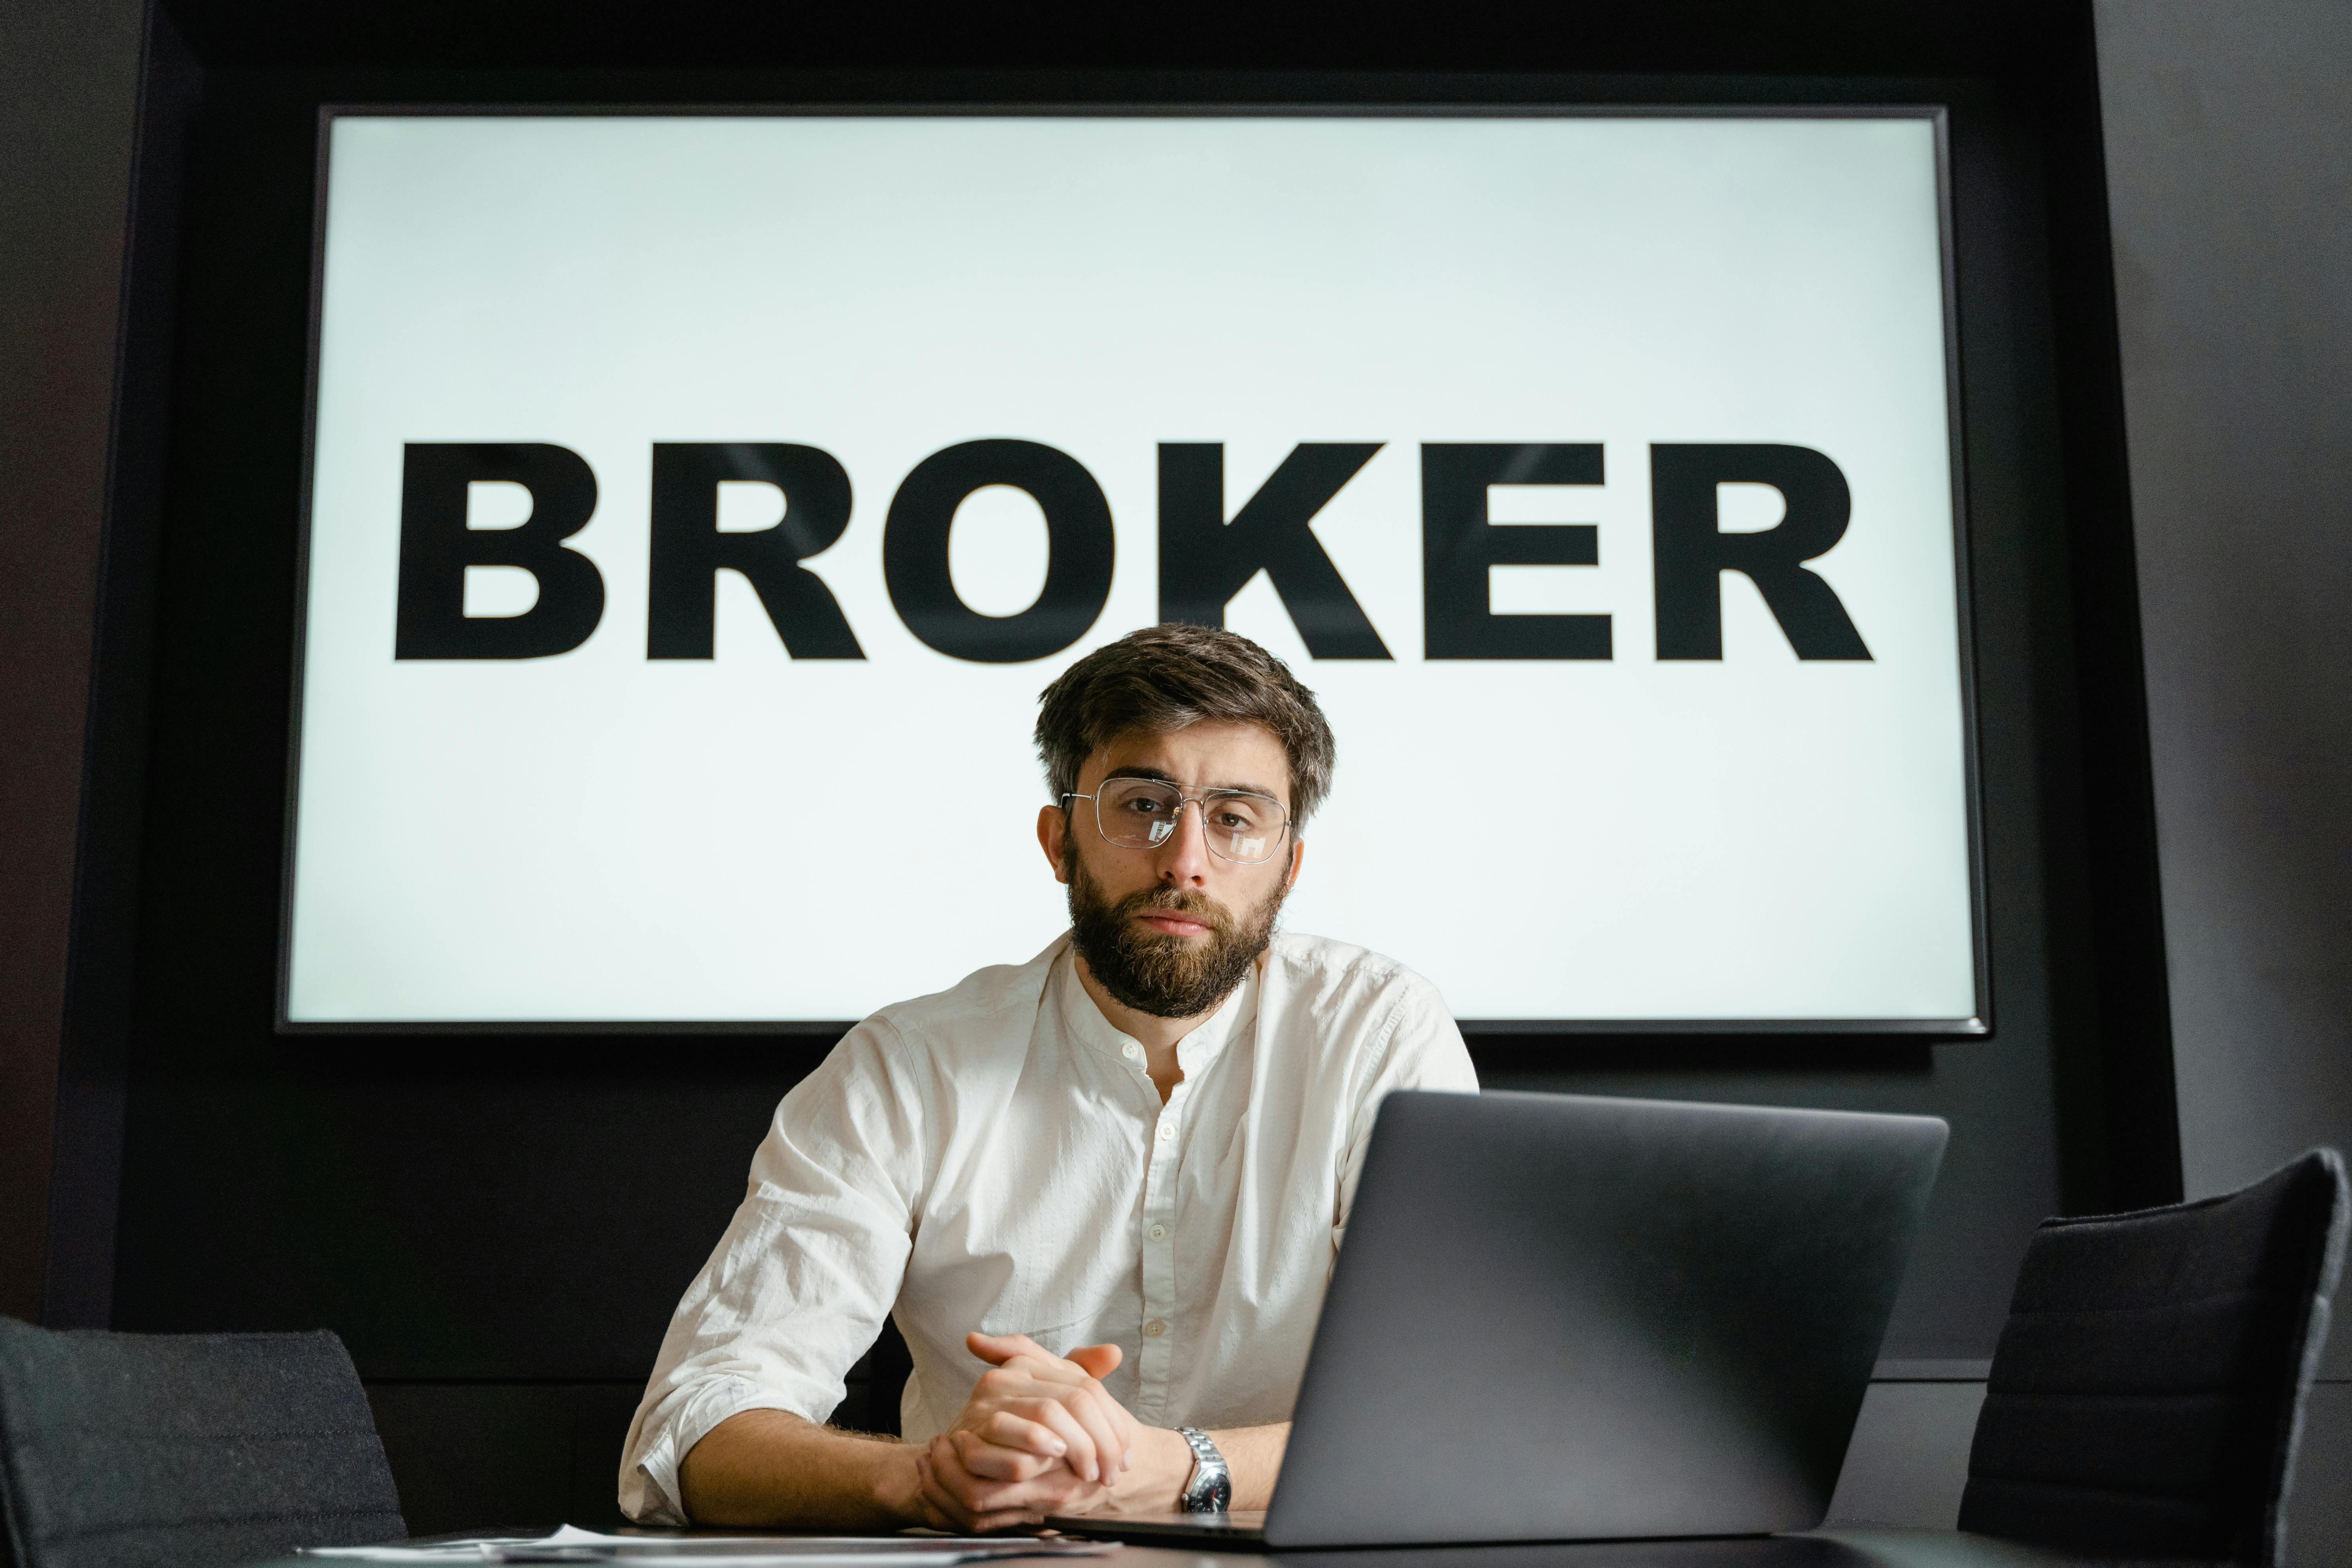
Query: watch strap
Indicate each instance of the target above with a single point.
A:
(1211, 1488)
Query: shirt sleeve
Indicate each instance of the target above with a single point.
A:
(1421, 1047)
(808, 1268)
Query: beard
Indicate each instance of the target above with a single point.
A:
(1166, 976)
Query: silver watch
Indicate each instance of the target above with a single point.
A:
(1211, 1489)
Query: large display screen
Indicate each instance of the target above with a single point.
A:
(698, 504)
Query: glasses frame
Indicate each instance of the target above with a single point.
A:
(1182, 799)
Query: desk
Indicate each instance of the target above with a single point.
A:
(1824, 1549)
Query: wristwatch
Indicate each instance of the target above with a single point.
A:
(1211, 1489)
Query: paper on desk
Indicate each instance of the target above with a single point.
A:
(585, 1546)
(571, 1545)
(466, 1551)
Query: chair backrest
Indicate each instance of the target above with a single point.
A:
(185, 1451)
(2147, 1394)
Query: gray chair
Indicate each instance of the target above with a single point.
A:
(185, 1451)
(2147, 1394)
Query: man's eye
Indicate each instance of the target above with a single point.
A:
(1144, 805)
(1241, 815)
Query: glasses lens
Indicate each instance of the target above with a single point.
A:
(1141, 814)
(1246, 828)
(1137, 813)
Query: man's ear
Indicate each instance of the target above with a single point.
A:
(1053, 837)
(1297, 858)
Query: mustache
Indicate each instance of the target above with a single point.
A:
(1177, 902)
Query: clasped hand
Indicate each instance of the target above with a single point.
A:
(1040, 1435)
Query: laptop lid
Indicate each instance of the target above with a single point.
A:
(1567, 1318)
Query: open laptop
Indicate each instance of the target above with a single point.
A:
(1561, 1318)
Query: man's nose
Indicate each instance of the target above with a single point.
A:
(1185, 859)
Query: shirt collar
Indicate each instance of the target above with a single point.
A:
(1209, 1037)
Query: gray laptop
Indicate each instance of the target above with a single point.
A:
(1561, 1318)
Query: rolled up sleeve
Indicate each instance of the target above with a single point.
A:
(809, 1267)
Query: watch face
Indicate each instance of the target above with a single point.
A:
(1211, 1489)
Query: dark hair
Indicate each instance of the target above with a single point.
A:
(1170, 677)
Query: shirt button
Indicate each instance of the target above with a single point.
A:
(1154, 1329)
(1131, 1051)
(1167, 1131)
(1158, 1233)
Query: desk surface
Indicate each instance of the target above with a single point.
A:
(1822, 1548)
(1825, 1549)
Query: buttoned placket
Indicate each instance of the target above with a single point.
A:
(1165, 1141)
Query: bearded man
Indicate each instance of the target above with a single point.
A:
(1100, 1192)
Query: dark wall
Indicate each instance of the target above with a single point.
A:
(499, 1228)
(2230, 150)
(70, 82)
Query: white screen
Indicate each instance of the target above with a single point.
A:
(599, 836)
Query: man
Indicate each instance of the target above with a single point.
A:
(1101, 1192)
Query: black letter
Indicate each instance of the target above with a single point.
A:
(1458, 544)
(1690, 554)
(1077, 550)
(1205, 561)
(436, 548)
(688, 552)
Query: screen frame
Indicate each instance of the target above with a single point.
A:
(1978, 1024)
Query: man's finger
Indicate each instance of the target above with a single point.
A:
(1052, 1369)
(1123, 1427)
(963, 1460)
(1011, 1519)
(1006, 1349)
(1059, 1492)
(999, 1462)
(998, 1349)
(1009, 1429)
(1044, 1368)
(1096, 1361)
(972, 1495)
(937, 1500)
(1080, 1451)
(1104, 1433)
(981, 1499)
(1038, 1423)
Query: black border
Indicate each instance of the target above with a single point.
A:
(1938, 115)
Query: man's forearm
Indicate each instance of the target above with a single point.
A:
(770, 1467)
(1253, 1456)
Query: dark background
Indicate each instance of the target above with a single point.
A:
(499, 1226)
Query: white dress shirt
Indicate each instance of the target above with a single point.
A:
(995, 1157)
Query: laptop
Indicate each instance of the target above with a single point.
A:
(1567, 1318)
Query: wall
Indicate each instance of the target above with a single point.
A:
(498, 1227)
(69, 78)
(2229, 141)
(2230, 151)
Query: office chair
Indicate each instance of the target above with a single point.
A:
(185, 1451)
(2146, 1393)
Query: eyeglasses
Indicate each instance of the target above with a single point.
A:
(1141, 814)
